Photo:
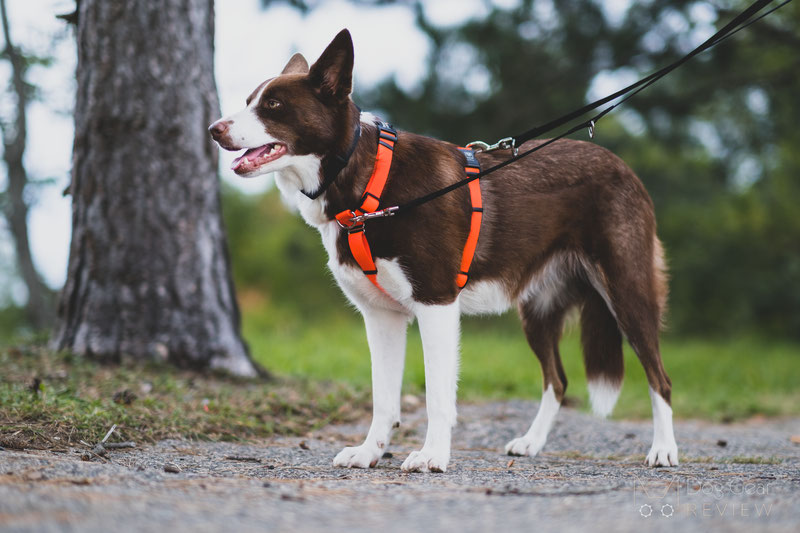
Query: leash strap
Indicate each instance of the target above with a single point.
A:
(740, 22)
(726, 31)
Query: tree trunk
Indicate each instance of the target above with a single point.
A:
(39, 308)
(148, 273)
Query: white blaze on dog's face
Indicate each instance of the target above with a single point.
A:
(303, 111)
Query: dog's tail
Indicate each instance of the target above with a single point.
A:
(602, 354)
(602, 339)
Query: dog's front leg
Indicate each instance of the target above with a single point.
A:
(439, 328)
(386, 335)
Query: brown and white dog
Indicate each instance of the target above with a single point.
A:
(569, 227)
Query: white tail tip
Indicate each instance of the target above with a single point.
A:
(603, 395)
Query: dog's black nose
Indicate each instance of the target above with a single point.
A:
(218, 128)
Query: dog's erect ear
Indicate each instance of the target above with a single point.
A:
(296, 65)
(332, 74)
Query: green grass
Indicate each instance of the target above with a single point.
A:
(55, 400)
(52, 400)
(719, 379)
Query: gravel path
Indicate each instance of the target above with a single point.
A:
(589, 477)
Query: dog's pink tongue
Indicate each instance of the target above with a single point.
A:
(252, 153)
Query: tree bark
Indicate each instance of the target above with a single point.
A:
(149, 274)
(39, 309)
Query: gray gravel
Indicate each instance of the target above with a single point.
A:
(589, 476)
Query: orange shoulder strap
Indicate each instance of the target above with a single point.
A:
(370, 201)
(471, 168)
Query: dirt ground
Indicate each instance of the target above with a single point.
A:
(737, 477)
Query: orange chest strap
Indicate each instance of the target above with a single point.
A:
(471, 168)
(371, 199)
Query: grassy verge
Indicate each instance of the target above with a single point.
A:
(53, 400)
(721, 379)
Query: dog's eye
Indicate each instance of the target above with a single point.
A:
(273, 104)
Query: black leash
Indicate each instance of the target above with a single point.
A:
(728, 30)
(734, 26)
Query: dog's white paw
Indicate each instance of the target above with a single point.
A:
(423, 461)
(357, 457)
(525, 446)
(663, 455)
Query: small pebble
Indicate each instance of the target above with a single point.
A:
(304, 445)
(172, 468)
(387, 455)
(722, 443)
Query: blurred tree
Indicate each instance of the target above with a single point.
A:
(148, 272)
(39, 309)
(714, 142)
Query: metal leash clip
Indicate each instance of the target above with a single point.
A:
(388, 212)
(507, 143)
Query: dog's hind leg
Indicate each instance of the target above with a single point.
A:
(439, 329)
(543, 331)
(386, 335)
(637, 296)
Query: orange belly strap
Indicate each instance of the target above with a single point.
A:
(371, 199)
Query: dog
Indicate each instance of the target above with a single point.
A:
(569, 227)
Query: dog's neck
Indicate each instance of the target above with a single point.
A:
(344, 193)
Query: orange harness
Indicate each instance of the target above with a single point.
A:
(371, 199)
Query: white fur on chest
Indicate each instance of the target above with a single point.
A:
(357, 287)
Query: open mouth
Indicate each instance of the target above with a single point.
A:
(254, 158)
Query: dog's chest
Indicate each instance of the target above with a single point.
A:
(358, 289)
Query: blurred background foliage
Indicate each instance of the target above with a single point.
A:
(716, 144)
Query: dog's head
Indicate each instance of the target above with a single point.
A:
(297, 113)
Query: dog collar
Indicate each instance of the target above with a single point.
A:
(338, 162)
